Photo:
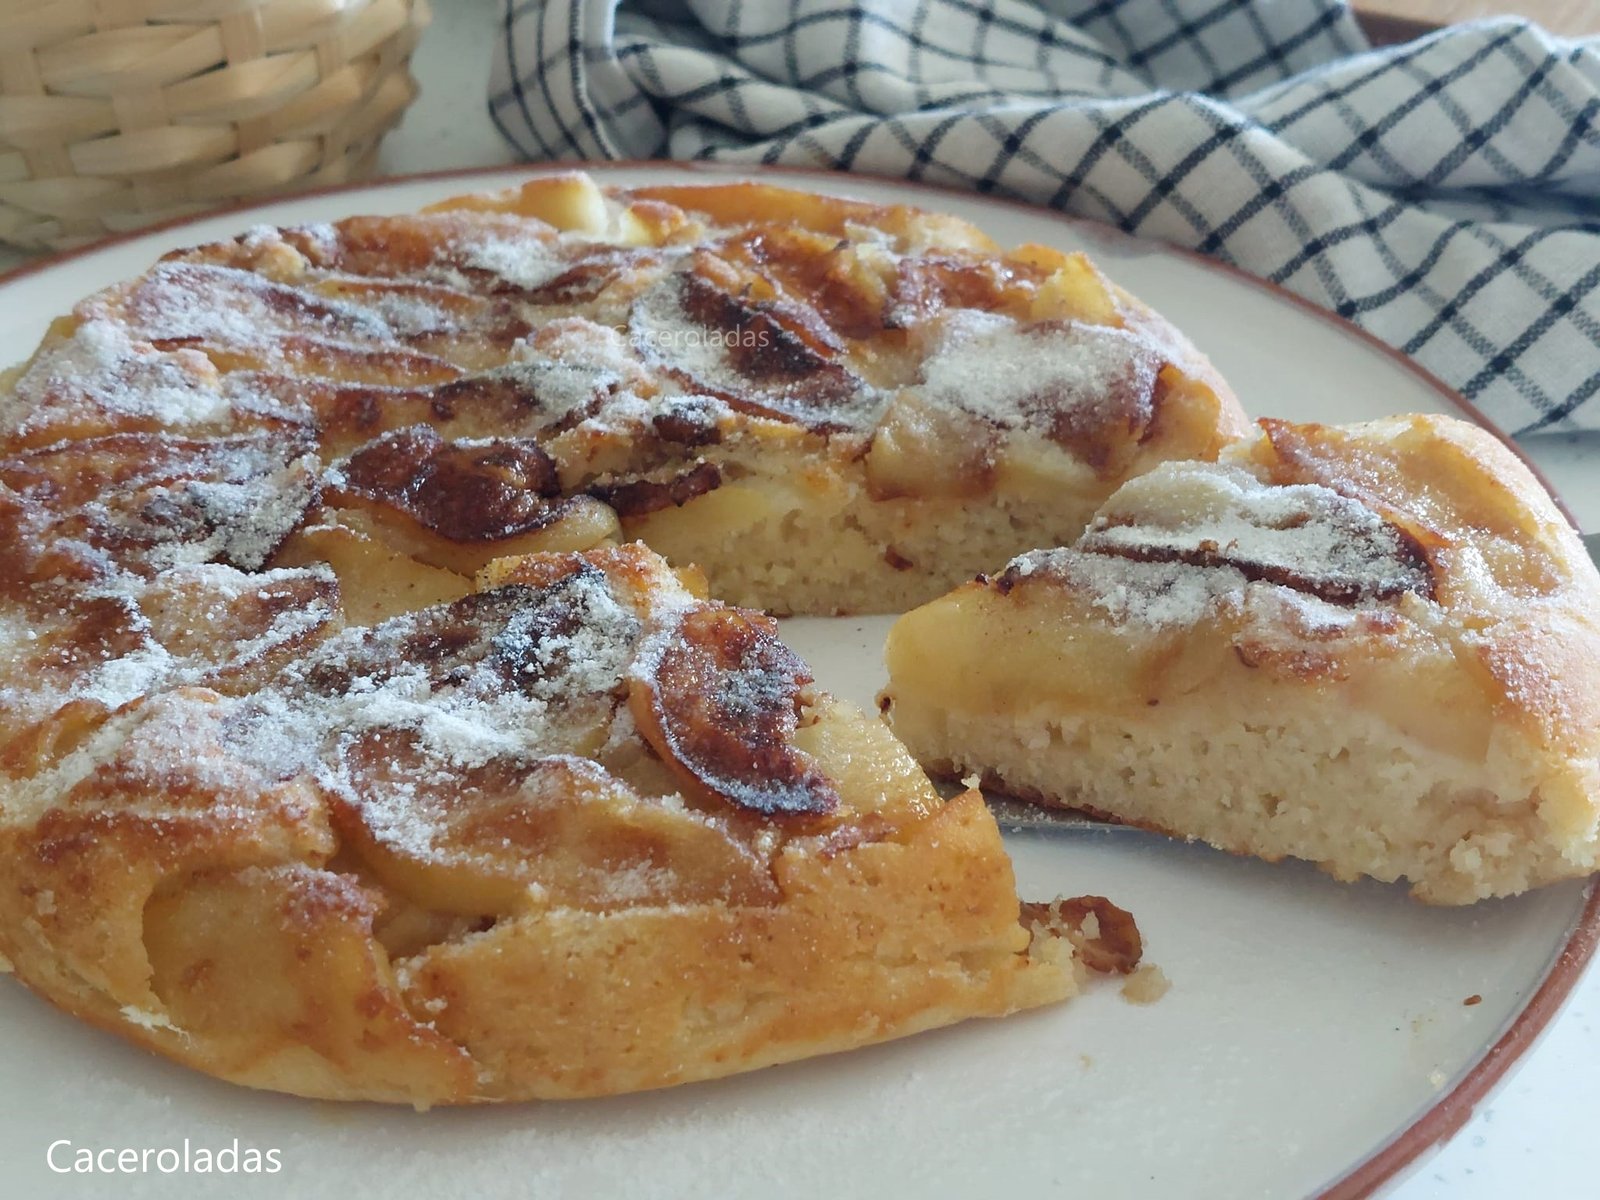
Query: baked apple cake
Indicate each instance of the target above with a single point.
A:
(828, 406)
(1374, 646)
(575, 832)
(345, 751)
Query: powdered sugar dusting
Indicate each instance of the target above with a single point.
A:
(100, 366)
(1178, 543)
(753, 356)
(23, 801)
(120, 680)
(527, 262)
(1027, 376)
(661, 325)
(509, 674)
(1148, 594)
(132, 637)
(565, 390)
(1303, 535)
(244, 519)
(1307, 529)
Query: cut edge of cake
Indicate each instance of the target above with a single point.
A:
(1402, 682)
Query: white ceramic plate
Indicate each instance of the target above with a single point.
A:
(1315, 1036)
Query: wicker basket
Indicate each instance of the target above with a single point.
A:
(119, 113)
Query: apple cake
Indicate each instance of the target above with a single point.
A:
(828, 406)
(575, 832)
(1373, 646)
(346, 750)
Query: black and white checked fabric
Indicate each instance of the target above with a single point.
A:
(1444, 195)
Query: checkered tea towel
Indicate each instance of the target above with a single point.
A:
(1444, 195)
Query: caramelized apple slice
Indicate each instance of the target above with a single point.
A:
(869, 768)
(1090, 389)
(921, 449)
(926, 286)
(1106, 937)
(243, 627)
(460, 504)
(1075, 288)
(728, 333)
(760, 203)
(376, 581)
(87, 655)
(151, 500)
(278, 965)
(464, 491)
(519, 831)
(718, 697)
(842, 281)
(571, 201)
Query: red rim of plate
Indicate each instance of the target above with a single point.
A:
(1451, 1111)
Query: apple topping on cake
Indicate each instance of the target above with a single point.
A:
(478, 845)
(719, 699)
(460, 504)
(744, 378)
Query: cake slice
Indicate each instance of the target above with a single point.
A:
(1374, 646)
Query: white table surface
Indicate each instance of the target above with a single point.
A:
(1537, 1136)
